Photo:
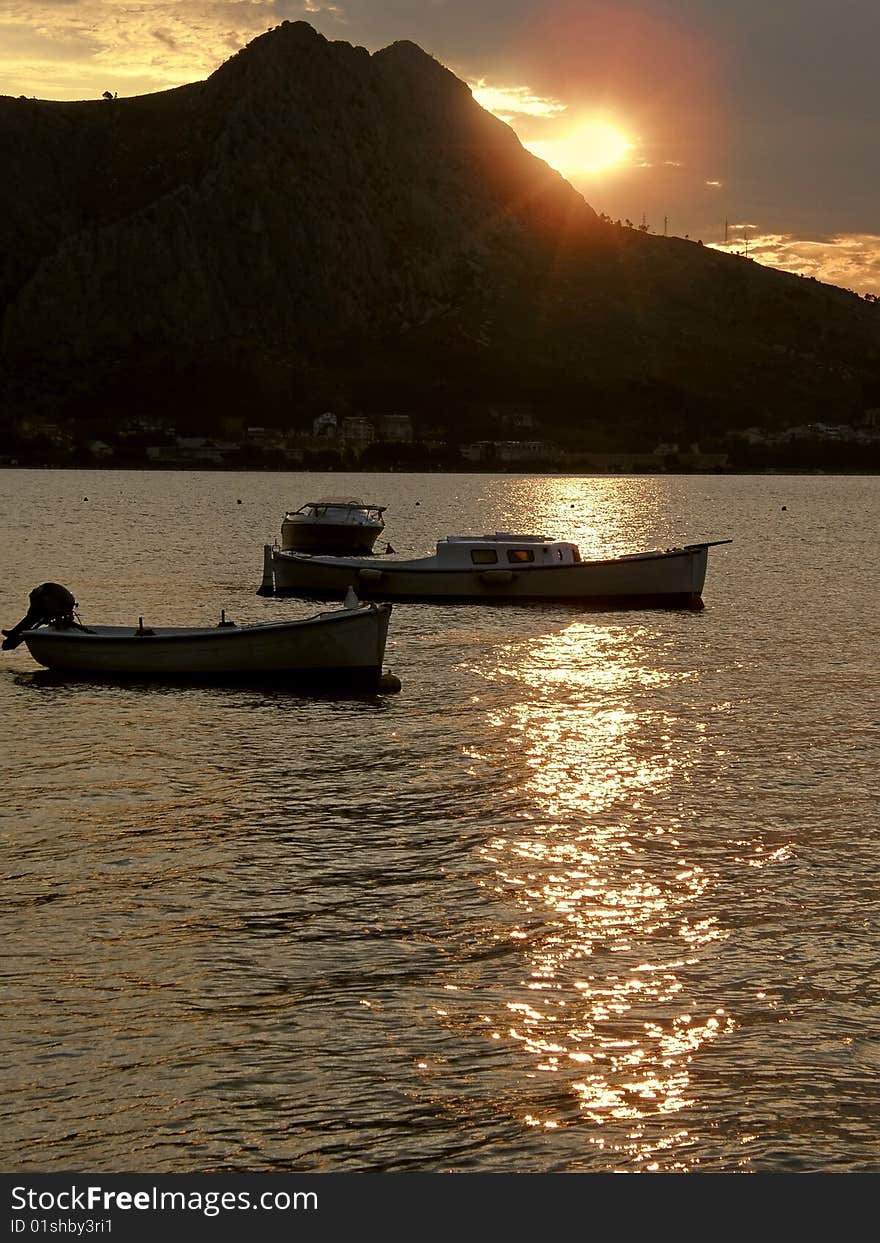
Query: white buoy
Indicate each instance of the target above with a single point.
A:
(267, 586)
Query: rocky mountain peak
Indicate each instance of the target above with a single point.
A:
(317, 225)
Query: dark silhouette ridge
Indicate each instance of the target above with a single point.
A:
(316, 226)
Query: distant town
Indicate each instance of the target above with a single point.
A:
(391, 442)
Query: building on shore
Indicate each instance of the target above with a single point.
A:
(356, 433)
(325, 426)
(396, 429)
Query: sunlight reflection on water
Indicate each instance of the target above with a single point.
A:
(601, 876)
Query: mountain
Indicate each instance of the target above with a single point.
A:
(314, 226)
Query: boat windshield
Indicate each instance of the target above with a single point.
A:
(340, 503)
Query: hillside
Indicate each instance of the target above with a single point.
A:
(314, 226)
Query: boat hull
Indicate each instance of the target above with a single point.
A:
(672, 579)
(318, 537)
(344, 645)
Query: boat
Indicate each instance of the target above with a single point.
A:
(502, 566)
(333, 525)
(345, 645)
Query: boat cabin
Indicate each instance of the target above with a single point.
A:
(505, 550)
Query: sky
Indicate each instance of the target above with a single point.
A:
(747, 123)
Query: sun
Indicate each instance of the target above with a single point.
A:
(592, 146)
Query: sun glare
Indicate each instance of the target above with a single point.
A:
(591, 147)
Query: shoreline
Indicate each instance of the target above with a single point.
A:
(547, 472)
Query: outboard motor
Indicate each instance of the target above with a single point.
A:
(50, 602)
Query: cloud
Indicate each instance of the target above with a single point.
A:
(512, 102)
(58, 49)
(850, 260)
(165, 38)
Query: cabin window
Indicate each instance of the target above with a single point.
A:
(484, 556)
(518, 555)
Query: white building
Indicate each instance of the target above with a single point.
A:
(357, 432)
(325, 426)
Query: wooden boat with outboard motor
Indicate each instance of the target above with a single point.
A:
(517, 569)
(344, 646)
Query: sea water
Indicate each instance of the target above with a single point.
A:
(594, 892)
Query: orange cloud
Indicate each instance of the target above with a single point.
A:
(59, 50)
(850, 260)
(511, 103)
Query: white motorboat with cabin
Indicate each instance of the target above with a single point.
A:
(503, 566)
(343, 646)
(333, 525)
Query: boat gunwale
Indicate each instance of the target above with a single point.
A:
(419, 566)
(195, 634)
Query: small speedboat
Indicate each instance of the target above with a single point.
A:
(517, 569)
(333, 525)
(345, 645)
